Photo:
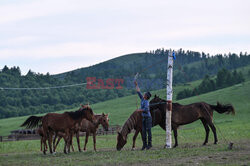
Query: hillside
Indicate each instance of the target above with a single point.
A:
(120, 108)
(189, 66)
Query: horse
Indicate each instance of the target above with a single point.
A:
(40, 132)
(202, 111)
(91, 128)
(65, 122)
(135, 122)
(185, 114)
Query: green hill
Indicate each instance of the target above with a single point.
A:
(120, 108)
(189, 66)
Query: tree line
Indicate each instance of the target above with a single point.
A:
(224, 78)
(152, 67)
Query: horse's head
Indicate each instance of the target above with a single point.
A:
(89, 115)
(154, 102)
(121, 141)
(104, 121)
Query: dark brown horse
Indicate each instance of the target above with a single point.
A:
(91, 128)
(185, 114)
(65, 123)
(181, 115)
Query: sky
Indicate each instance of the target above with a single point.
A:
(56, 36)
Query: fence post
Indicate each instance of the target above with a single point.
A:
(171, 55)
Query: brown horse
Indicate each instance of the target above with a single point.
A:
(181, 115)
(91, 128)
(65, 123)
(185, 114)
(135, 122)
(40, 132)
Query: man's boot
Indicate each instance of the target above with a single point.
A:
(149, 145)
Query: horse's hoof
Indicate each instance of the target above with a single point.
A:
(54, 153)
(133, 149)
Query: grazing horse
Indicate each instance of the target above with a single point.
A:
(135, 122)
(91, 128)
(185, 114)
(55, 122)
(181, 115)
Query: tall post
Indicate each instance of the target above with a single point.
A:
(171, 56)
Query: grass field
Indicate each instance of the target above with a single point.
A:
(230, 128)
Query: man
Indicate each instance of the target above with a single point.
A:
(146, 118)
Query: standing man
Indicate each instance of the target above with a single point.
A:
(146, 118)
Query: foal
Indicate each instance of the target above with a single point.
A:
(90, 128)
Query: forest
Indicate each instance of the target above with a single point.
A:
(224, 78)
(152, 67)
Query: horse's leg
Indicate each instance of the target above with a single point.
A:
(78, 141)
(94, 141)
(54, 141)
(175, 136)
(44, 144)
(71, 144)
(57, 142)
(86, 140)
(67, 141)
(134, 139)
(70, 140)
(50, 142)
(214, 131)
(41, 144)
(204, 122)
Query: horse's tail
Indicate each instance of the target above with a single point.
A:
(220, 108)
(32, 121)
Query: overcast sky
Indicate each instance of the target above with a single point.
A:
(56, 36)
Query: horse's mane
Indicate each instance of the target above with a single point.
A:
(77, 114)
(129, 124)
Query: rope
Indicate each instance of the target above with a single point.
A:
(44, 88)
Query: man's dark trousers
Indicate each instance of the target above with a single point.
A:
(146, 130)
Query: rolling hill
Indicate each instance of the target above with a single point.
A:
(120, 108)
(189, 66)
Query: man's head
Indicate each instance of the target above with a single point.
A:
(147, 95)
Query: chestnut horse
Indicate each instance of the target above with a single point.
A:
(40, 132)
(65, 123)
(90, 128)
(181, 115)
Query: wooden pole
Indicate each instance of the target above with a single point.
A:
(169, 100)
